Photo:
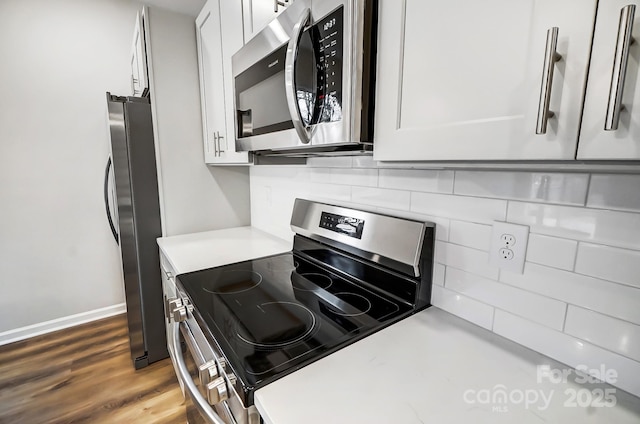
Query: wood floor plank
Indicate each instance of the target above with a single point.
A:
(85, 375)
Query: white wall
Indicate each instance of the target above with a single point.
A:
(578, 300)
(57, 255)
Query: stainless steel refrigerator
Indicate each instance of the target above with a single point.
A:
(133, 211)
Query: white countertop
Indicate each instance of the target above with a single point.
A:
(192, 252)
(436, 368)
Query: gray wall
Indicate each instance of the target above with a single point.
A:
(57, 256)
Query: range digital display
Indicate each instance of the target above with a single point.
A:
(346, 225)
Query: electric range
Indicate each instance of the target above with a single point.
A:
(350, 274)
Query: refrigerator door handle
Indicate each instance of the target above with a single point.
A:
(106, 200)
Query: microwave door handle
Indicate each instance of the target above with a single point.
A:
(289, 69)
(181, 368)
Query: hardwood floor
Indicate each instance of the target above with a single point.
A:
(85, 375)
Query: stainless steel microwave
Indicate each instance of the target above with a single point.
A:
(306, 83)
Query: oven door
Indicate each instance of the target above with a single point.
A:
(188, 363)
(289, 80)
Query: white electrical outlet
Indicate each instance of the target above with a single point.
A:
(509, 246)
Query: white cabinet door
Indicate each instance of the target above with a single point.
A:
(218, 36)
(461, 80)
(623, 142)
(258, 13)
(139, 79)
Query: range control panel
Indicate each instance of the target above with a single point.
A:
(340, 224)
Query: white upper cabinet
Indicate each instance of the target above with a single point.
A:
(611, 51)
(138, 60)
(258, 13)
(219, 35)
(463, 80)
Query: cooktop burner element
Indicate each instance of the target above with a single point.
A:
(353, 304)
(271, 316)
(234, 281)
(276, 324)
(319, 281)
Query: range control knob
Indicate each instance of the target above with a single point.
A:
(208, 372)
(217, 391)
(222, 363)
(179, 314)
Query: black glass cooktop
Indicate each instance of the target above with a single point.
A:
(275, 314)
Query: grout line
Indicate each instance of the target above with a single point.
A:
(493, 319)
(626, 321)
(589, 342)
(465, 246)
(444, 277)
(566, 313)
(453, 182)
(575, 257)
(510, 285)
(586, 195)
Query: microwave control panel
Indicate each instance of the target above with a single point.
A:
(330, 32)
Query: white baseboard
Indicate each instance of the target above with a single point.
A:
(60, 323)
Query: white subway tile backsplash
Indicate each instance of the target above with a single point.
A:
(609, 263)
(552, 251)
(614, 192)
(568, 349)
(465, 258)
(540, 309)
(327, 193)
(417, 180)
(477, 236)
(353, 177)
(364, 162)
(613, 334)
(279, 172)
(621, 229)
(531, 186)
(459, 207)
(576, 258)
(330, 162)
(462, 306)
(602, 296)
(380, 197)
(439, 272)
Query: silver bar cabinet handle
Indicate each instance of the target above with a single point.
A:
(551, 56)
(620, 60)
(220, 138)
(277, 3)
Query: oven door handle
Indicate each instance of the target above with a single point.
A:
(200, 402)
(291, 58)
